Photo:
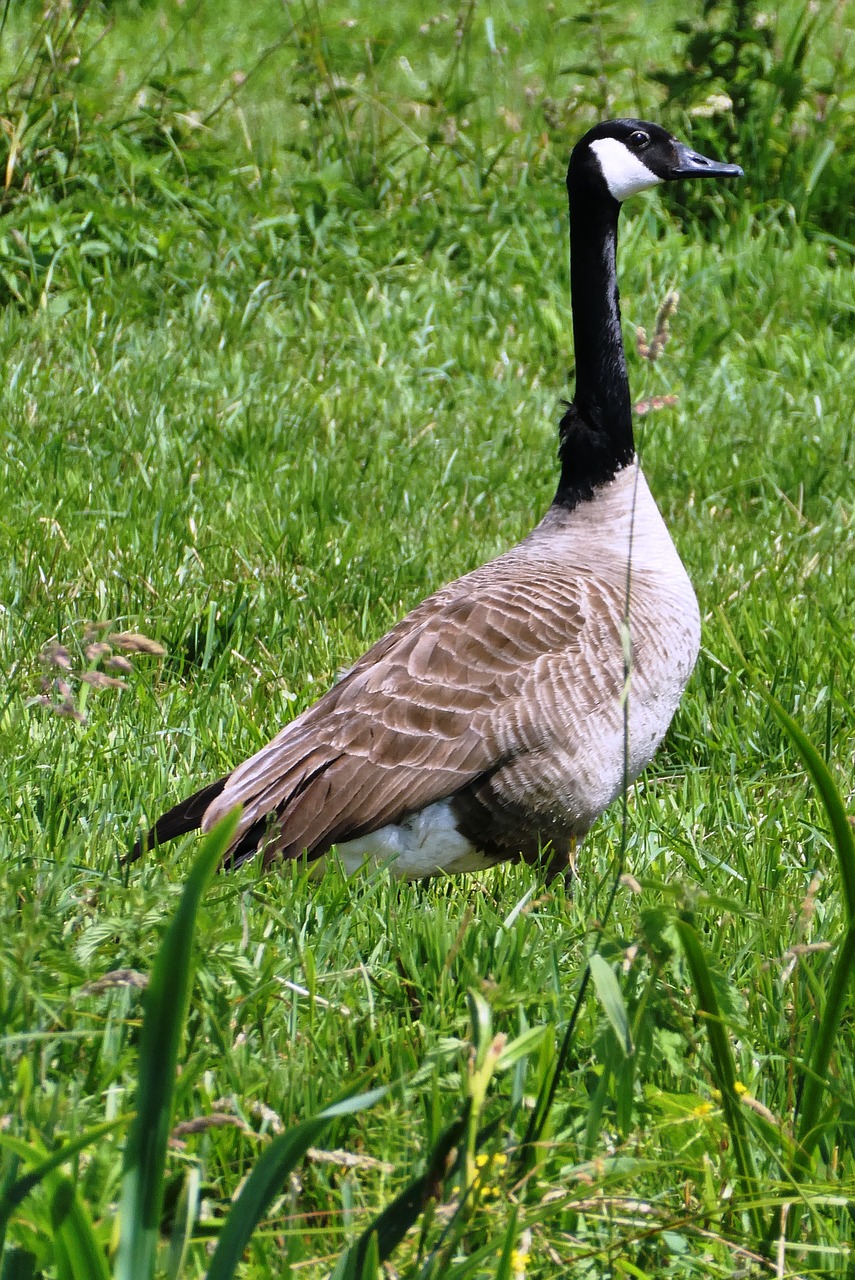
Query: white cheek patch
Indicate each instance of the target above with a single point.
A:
(624, 173)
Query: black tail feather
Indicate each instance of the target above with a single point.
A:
(183, 817)
(248, 845)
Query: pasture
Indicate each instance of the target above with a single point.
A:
(285, 334)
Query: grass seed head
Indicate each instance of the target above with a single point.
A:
(55, 654)
(119, 663)
(642, 407)
(97, 651)
(136, 642)
(653, 349)
(68, 710)
(98, 680)
(116, 978)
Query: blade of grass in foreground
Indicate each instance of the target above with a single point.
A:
(186, 1210)
(44, 1163)
(506, 1268)
(78, 1253)
(166, 1002)
(389, 1228)
(268, 1177)
(809, 1128)
(18, 1264)
(844, 837)
(266, 1180)
(611, 998)
(724, 1070)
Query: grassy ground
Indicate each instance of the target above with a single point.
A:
(285, 335)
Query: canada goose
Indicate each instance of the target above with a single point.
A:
(489, 724)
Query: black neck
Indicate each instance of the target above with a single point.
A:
(596, 432)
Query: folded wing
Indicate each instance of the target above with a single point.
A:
(477, 677)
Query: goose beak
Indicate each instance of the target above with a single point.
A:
(691, 164)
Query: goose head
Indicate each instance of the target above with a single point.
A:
(619, 158)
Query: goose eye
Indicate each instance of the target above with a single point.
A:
(639, 138)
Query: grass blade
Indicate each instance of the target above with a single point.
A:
(611, 998)
(356, 1102)
(18, 1264)
(78, 1254)
(390, 1227)
(260, 1189)
(371, 1263)
(521, 1047)
(844, 837)
(16, 1192)
(166, 1002)
(505, 1269)
(19, 1190)
(723, 1069)
(186, 1213)
(268, 1176)
(809, 1130)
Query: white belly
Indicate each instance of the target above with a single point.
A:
(425, 844)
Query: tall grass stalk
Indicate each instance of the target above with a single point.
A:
(166, 1002)
(810, 1126)
(724, 1071)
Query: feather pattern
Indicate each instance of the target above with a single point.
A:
(502, 693)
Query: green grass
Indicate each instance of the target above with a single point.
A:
(270, 381)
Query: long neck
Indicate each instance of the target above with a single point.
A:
(596, 432)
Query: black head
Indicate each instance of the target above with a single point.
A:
(621, 157)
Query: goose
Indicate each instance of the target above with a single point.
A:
(502, 716)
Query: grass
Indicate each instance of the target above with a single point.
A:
(272, 375)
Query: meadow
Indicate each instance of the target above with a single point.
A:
(285, 334)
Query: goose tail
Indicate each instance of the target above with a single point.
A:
(185, 816)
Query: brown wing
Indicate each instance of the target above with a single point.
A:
(450, 695)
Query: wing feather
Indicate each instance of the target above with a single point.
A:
(451, 694)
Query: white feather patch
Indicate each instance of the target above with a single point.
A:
(425, 844)
(624, 173)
